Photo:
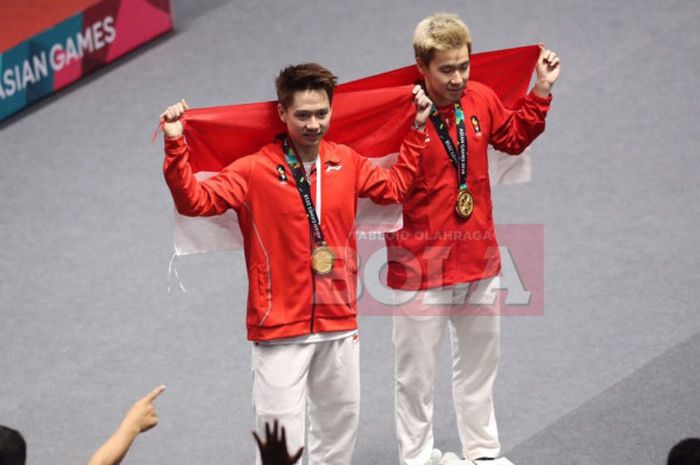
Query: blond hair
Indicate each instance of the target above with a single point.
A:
(441, 31)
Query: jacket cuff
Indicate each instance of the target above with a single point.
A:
(174, 145)
(417, 136)
(540, 100)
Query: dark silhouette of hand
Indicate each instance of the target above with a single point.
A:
(274, 450)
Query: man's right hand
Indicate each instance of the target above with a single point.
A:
(172, 126)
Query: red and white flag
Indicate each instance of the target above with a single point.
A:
(371, 115)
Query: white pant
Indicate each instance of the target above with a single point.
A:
(419, 329)
(327, 375)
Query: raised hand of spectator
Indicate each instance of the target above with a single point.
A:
(274, 450)
(141, 417)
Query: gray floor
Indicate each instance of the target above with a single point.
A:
(609, 373)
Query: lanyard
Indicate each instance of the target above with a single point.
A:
(458, 159)
(304, 189)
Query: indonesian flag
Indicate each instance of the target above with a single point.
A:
(371, 115)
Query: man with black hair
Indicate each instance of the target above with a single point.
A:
(686, 452)
(13, 449)
(296, 201)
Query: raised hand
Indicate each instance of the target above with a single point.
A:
(274, 450)
(172, 126)
(423, 106)
(142, 416)
(548, 67)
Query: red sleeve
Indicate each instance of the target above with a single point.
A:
(513, 130)
(391, 185)
(214, 196)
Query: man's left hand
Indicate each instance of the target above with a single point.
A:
(548, 67)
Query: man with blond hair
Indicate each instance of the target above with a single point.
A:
(447, 246)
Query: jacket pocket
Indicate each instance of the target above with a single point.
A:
(259, 295)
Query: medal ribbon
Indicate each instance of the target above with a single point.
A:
(304, 189)
(458, 159)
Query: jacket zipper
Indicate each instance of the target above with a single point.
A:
(313, 300)
(313, 280)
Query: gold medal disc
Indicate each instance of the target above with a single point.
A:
(465, 204)
(322, 259)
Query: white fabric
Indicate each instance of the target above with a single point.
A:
(319, 175)
(379, 218)
(207, 233)
(450, 458)
(323, 377)
(313, 338)
(507, 169)
(417, 335)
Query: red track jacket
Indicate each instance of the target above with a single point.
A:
(285, 297)
(436, 248)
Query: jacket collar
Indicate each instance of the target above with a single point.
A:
(326, 151)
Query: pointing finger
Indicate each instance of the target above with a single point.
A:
(153, 395)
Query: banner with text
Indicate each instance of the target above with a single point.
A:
(73, 46)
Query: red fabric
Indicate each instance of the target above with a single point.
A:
(507, 72)
(285, 297)
(437, 248)
(371, 115)
(372, 122)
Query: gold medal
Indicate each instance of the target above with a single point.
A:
(465, 204)
(322, 259)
